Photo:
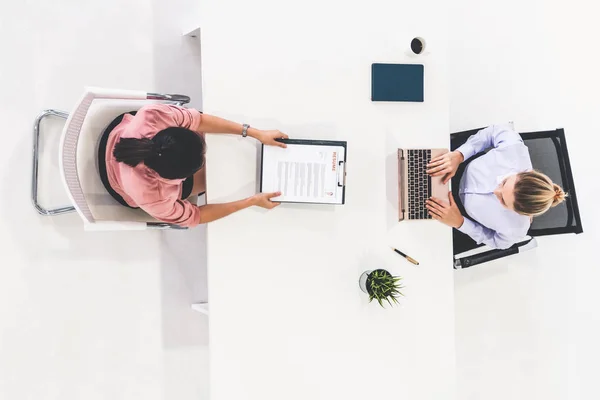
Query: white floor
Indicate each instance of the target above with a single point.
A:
(106, 316)
(527, 327)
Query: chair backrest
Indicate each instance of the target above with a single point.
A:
(102, 205)
(78, 154)
(548, 152)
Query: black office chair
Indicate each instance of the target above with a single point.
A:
(548, 152)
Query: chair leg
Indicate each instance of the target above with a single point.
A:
(164, 226)
(34, 178)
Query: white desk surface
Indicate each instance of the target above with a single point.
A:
(287, 318)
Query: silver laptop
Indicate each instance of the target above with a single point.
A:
(414, 185)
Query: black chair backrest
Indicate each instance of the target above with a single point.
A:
(548, 152)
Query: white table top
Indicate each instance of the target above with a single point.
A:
(287, 318)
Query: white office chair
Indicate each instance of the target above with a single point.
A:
(78, 159)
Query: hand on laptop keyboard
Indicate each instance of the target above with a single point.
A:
(444, 211)
(445, 165)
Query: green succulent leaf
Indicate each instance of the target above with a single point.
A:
(382, 286)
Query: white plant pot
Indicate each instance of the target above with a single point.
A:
(362, 281)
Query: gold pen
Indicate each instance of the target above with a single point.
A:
(412, 260)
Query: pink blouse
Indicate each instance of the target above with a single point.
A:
(141, 186)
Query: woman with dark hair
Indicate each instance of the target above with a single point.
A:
(155, 161)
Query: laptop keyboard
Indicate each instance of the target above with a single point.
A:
(419, 183)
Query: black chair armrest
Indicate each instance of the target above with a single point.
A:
(490, 255)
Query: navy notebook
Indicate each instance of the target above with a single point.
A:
(397, 82)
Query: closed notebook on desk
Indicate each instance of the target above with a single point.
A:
(397, 82)
(307, 171)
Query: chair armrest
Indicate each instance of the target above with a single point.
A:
(107, 93)
(104, 93)
(178, 99)
(480, 258)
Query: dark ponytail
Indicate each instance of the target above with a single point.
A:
(133, 151)
(175, 153)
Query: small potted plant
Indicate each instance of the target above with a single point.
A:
(381, 286)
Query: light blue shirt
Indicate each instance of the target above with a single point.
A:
(496, 226)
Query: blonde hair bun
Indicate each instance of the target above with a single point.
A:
(535, 193)
(559, 195)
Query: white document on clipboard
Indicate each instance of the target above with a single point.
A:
(307, 171)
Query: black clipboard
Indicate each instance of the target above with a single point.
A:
(309, 142)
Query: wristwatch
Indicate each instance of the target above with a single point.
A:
(245, 128)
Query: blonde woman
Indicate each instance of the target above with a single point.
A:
(499, 192)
